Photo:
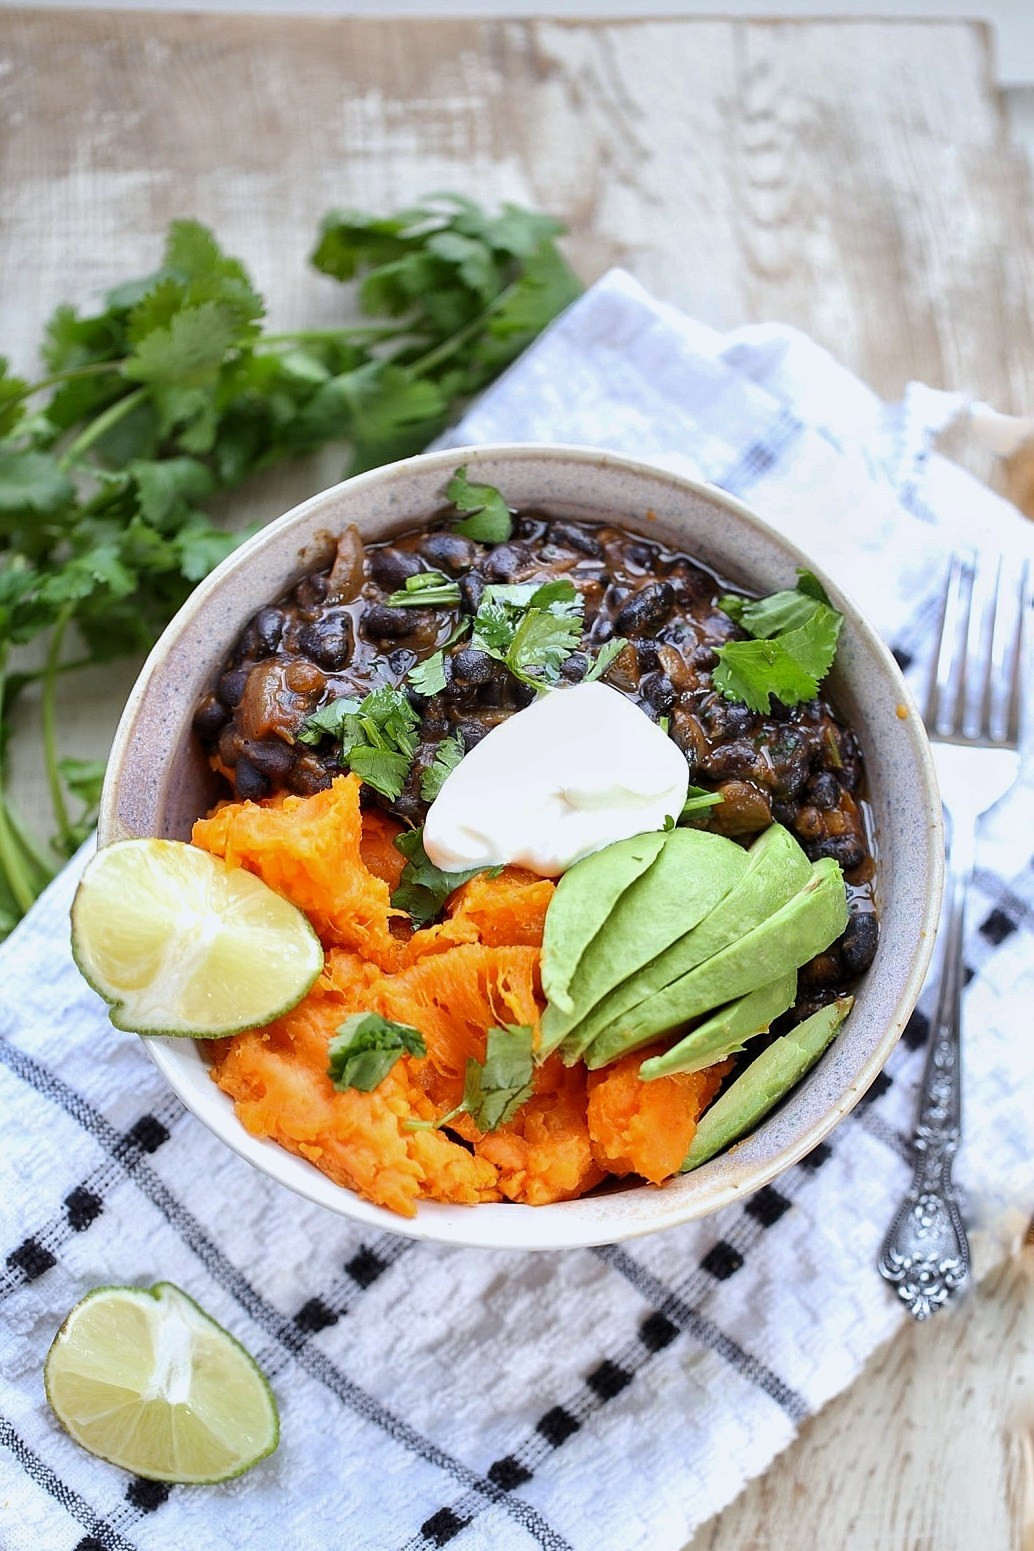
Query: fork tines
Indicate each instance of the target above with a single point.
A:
(976, 691)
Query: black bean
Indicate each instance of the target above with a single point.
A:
(448, 552)
(848, 850)
(574, 668)
(529, 528)
(401, 660)
(523, 695)
(311, 591)
(730, 759)
(643, 555)
(692, 585)
(859, 942)
(472, 666)
(472, 590)
(602, 630)
(231, 686)
(791, 762)
(472, 733)
(210, 718)
(391, 568)
(784, 813)
(250, 782)
(435, 721)
(381, 622)
(658, 691)
(646, 656)
(328, 640)
(272, 758)
(309, 777)
(268, 626)
(725, 719)
(409, 807)
(506, 561)
(578, 539)
(647, 609)
(824, 791)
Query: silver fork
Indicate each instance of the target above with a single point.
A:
(973, 718)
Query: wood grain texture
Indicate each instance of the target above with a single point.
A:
(854, 179)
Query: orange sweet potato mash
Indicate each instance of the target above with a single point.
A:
(476, 969)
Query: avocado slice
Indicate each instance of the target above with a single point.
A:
(758, 1089)
(692, 871)
(776, 867)
(726, 1031)
(584, 899)
(804, 926)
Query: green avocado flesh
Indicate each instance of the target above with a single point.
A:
(786, 939)
(758, 1089)
(691, 873)
(726, 1031)
(584, 899)
(773, 870)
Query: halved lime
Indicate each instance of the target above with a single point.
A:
(181, 943)
(144, 1378)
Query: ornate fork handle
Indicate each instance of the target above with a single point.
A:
(926, 1252)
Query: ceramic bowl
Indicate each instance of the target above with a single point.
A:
(158, 783)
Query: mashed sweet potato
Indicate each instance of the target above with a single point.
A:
(475, 970)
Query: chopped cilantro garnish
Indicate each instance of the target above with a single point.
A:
(376, 734)
(698, 799)
(424, 888)
(604, 657)
(428, 589)
(490, 520)
(428, 677)
(447, 756)
(366, 1048)
(531, 628)
(493, 1091)
(795, 640)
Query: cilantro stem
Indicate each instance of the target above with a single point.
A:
(48, 717)
(102, 425)
(359, 330)
(12, 864)
(442, 352)
(92, 370)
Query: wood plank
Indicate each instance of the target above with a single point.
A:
(853, 179)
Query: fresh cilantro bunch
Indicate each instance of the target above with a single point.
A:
(794, 643)
(173, 392)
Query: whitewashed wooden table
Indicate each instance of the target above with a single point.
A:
(852, 178)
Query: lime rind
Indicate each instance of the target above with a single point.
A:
(222, 1419)
(181, 944)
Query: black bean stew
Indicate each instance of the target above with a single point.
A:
(336, 634)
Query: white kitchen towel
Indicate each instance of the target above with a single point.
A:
(598, 1400)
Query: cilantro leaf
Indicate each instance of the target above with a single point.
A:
(447, 756)
(795, 640)
(428, 677)
(33, 482)
(789, 666)
(490, 520)
(428, 589)
(365, 1049)
(188, 351)
(376, 736)
(424, 888)
(494, 1090)
(533, 629)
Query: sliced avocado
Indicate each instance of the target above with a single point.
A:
(775, 1071)
(804, 926)
(726, 1031)
(776, 867)
(692, 871)
(582, 903)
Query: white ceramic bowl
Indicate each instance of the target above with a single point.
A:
(158, 783)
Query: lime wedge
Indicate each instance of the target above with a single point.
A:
(146, 1380)
(180, 943)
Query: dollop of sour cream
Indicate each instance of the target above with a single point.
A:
(571, 773)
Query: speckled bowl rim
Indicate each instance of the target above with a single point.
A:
(793, 1130)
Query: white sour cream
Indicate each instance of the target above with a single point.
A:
(571, 773)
